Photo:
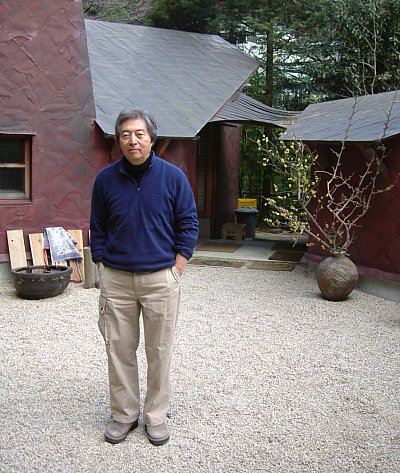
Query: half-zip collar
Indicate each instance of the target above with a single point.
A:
(136, 172)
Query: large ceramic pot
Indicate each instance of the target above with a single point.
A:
(337, 276)
(39, 282)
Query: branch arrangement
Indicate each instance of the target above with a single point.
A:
(318, 198)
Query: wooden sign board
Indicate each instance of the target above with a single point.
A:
(38, 252)
(16, 248)
(75, 276)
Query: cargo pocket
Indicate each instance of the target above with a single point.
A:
(102, 317)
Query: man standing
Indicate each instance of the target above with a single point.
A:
(144, 228)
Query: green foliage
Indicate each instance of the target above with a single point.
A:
(272, 33)
(186, 15)
(228, 18)
(358, 52)
(293, 186)
(91, 7)
(234, 19)
(121, 11)
(322, 49)
(251, 176)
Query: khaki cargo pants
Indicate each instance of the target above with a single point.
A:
(123, 297)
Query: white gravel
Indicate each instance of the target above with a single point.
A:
(267, 377)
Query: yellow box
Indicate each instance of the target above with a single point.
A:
(247, 203)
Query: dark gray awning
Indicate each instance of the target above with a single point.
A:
(244, 109)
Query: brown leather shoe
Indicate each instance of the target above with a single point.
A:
(116, 432)
(158, 434)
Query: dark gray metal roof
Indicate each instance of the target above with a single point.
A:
(182, 78)
(361, 119)
(244, 109)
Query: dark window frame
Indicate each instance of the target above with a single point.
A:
(26, 166)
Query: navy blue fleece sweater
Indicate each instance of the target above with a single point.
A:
(142, 229)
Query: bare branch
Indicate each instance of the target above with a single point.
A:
(331, 201)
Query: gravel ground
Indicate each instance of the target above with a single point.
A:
(267, 377)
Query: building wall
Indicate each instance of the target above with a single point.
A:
(183, 153)
(376, 249)
(46, 90)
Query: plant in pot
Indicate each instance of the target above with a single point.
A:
(325, 199)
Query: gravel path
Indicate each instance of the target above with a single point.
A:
(267, 377)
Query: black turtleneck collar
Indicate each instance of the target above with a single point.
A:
(136, 171)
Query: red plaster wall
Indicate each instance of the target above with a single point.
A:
(377, 244)
(103, 148)
(46, 89)
(183, 153)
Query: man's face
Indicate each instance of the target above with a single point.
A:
(135, 141)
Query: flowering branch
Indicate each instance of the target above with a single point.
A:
(321, 199)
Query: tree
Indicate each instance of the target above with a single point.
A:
(227, 18)
(269, 39)
(355, 51)
(122, 11)
(186, 15)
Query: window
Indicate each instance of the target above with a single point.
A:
(15, 166)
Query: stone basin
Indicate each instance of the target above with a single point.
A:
(39, 282)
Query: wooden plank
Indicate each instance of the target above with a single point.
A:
(77, 235)
(16, 248)
(39, 255)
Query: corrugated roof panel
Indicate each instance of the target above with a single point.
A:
(182, 78)
(361, 119)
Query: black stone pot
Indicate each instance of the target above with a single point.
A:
(39, 282)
